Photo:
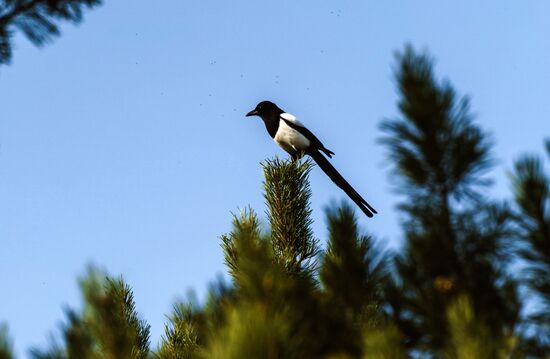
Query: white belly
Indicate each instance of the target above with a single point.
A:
(290, 139)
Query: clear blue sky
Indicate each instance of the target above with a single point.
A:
(124, 143)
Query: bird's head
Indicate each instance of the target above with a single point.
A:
(264, 109)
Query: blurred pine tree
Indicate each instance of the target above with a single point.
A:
(470, 337)
(108, 327)
(532, 193)
(37, 19)
(180, 339)
(384, 342)
(455, 237)
(6, 351)
(352, 276)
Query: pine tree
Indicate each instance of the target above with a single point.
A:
(470, 337)
(180, 339)
(276, 308)
(6, 351)
(352, 275)
(276, 293)
(384, 342)
(37, 19)
(532, 193)
(287, 195)
(108, 327)
(454, 237)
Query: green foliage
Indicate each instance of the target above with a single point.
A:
(53, 352)
(112, 319)
(37, 19)
(532, 191)
(532, 194)
(180, 339)
(384, 342)
(352, 275)
(287, 195)
(243, 242)
(254, 331)
(279, 309)
(107, 328)
(352, 270)
(265, 286)
(470, 337)
(6, 351)
(436, 148)
(455, 238)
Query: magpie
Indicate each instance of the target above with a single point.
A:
(293, 137)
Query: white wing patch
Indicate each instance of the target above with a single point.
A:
(290, 139)
(291, 118)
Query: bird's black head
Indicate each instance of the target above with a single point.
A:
(264, 109)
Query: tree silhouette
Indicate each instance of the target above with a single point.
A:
(6, 351)
(37, 19)
(532, 194)
(455, 238)
(108, 327)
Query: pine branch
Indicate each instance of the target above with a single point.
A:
(243, 239)
(180, 340)
(352, 277)
(37, 19)
(54, 352)
(275, 303)
(384, 342)
(112, 319)
(470, 336)
(437, 149)
(19, 8)
(6, 349)
(532, 194)
(352, 270)
(455, 237)
(78, 339)
(287, 195)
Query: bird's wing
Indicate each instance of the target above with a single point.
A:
(291, 118)
(340, 181)
(293, 122)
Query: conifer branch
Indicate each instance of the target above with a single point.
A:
(287, 194)
(6, 349)
(351, 256)
(532, 194)
(471, 337)
(454, 235)
(243, 239)
(37, 19)
(180, 340)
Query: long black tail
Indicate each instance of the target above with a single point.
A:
(337, 178)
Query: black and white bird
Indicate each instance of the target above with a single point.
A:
(293, 137)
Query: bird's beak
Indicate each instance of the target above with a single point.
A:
(252, 113)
